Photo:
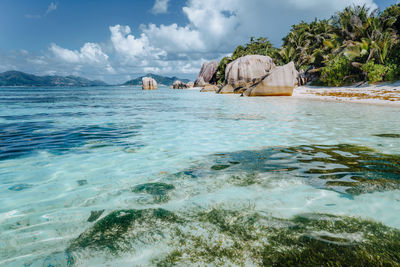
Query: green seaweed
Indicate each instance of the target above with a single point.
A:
(388, 135)
(159, 191)
(245, 180)
(94, 215)
(114, 232)
(335, 164)
(245, 237)
(219, 167)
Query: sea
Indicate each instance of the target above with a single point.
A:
(117, 176)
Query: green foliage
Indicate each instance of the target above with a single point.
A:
(221, 69)
(259, 46)
(374, 72)
(353, 37)
(378, 72)
(392, 72)
(336, 72)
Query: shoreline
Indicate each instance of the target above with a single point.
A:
(376, 94)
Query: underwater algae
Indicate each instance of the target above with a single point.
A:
(159, 191)
(219, 236)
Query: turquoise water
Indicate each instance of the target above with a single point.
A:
(65, 153)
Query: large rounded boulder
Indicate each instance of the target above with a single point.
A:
(207, 74)
(149, 83)
(245, 71)
(281, 81)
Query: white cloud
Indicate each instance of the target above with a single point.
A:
(52, 7)
(132, 48)
(175, 39)
(89, 54)
(160, 7)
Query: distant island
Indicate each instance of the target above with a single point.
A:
(168, 81)
(17, 78)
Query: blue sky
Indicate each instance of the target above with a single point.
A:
(121, 39)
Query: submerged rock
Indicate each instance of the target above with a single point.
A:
(209, 88)
(207, 74)
(149, 83)
(281, 81)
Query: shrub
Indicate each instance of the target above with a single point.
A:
(392, 73)
(336, 72)
(375, 72)
(221, 69)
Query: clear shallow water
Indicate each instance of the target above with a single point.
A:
(67, 152)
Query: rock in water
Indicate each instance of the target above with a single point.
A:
(190, 85)
(279, 82)
(209, 88)
(149, 83)
(207, 74)
(179, 85)
(245, 71)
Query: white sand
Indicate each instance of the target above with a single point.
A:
(383, 93)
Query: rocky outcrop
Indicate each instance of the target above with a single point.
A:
(190, 85)
(207, 74)
(178, 85)
(245, 71)
(149, 83)
(279, 82)
(226, 89)
(210, 88)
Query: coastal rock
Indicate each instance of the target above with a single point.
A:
(149, 83)
(179, 85)
(279, 82)
(190, 85)
(245, 71)
(226, 89)
(209, 88)
(207, 74)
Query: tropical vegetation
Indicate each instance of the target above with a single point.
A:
(357, 44)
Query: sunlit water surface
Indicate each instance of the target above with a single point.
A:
(65, 153)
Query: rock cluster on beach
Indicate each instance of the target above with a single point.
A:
(181, 85)
(207, 74)
(149, 83)
(252, 75)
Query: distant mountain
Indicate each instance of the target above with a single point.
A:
(17, 78)
(160, 80)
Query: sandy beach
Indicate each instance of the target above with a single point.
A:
(383, 93)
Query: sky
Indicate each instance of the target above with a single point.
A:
(117, 40)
